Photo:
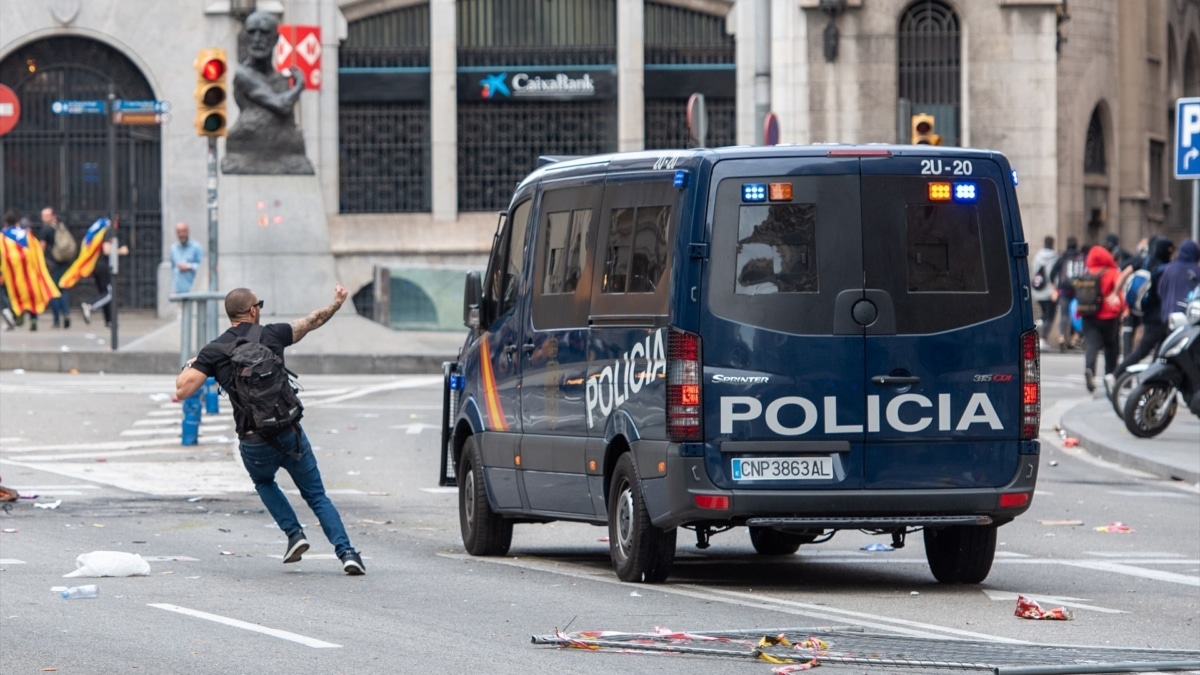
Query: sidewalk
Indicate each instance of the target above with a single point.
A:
(352, 345)
(348, 345)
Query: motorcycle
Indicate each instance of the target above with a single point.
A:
(1174, 375)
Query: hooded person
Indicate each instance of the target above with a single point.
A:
(1044, 293)
(1179, 278)
(1101, 331)
(1154, 327)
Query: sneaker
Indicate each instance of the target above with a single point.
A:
(1089, 378)
(1045, 346)
(297, 545)
(9, 318)
(66, 324)
(1062, 344)
(352, 563)
(87, 312)
(1110, 383)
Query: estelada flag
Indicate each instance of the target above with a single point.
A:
(89, 253)
(23, 264)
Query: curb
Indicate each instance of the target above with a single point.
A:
(167, 363)
(1075, 425)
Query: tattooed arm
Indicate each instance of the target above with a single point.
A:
(318, 317)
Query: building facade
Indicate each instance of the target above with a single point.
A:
(430, 111)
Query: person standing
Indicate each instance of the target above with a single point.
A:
(1154, 326)
(186, 255)
(1101, 331)
(50, 234)
(1044, 292)
(1069, 265)
(290, 450)
(1179, 278)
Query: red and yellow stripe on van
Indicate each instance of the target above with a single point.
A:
(491, 395)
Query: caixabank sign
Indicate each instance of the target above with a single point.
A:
(573, 83)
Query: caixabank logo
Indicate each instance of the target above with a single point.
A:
(535, 86)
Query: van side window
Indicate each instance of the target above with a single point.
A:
(776, 249)
(944, 249)
(636, 255)
(565, 236)
(507, 261)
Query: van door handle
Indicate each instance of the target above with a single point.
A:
(896, 380)
(510, 349)
(528, 347)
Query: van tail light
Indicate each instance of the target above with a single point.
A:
(1031, 386)
(683, 386)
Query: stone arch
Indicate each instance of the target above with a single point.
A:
(929, 65)
(1097, 174)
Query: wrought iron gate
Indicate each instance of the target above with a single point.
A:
(62, 160)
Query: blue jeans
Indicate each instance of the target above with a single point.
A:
(262, 461)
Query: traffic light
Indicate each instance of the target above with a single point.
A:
(211, 94)
(922, 130)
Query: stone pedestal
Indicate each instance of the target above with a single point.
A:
(274, 240)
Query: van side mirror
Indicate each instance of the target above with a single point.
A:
(473, 300)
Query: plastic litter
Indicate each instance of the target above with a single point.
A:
(10, 530)
(88, 592)
(877, 546)
(1117, 527)
(1071, 441)
(48, 505)
(109, 564)
(27, 495)
(1059, 522)
(1030, 609)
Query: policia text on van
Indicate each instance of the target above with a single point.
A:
(795, 339)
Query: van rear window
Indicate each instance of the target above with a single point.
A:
(944, 249)
(776, 249)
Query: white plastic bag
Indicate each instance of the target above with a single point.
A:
(109, 564)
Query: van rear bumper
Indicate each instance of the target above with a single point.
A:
(671, 501)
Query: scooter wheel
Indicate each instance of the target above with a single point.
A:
(1150, 408)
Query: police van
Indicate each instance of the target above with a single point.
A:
(798, 340)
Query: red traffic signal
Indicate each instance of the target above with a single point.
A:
(211, 94)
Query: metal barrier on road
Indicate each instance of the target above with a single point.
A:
(200, 323)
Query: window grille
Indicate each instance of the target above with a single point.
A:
(1095, 160)
(929, 64)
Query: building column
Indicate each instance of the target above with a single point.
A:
(631, 78)
(443, 108)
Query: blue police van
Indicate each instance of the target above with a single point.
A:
(798, 340)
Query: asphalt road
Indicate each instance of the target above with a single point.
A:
(219, 600)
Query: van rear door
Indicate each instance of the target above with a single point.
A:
(783, 393)
(942, 357)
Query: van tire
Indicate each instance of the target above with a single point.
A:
(484, 533)
(773, 542)
(640, 551)
(960, 554)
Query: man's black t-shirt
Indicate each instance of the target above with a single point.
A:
(215, 363)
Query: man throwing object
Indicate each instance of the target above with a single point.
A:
(265, 450)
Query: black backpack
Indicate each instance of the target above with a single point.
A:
(1087, 293)
(261, 386)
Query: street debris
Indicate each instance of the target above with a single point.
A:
(193, 500)
(109, 564)
(877, 546)
(48, 505)
(1117, 527)
(88, 592)
(1070, 441)
(1042, 521)
(28, 495)
(10, 530)
(799, 649)
(1030, 609)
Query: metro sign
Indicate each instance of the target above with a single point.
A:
(300, 47)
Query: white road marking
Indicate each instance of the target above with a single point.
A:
(11, 561)
(409, 383)
(113, 445)
(441, 490)
(751, 601)
(175, 411)
(273, 632)
(204, 428)
(178, 419)
(1139, 493)
(1135, 554)
(169, 558)
(175, 450)
(11, 439)
(47, 488)
(1044, 600)
(1129, 570)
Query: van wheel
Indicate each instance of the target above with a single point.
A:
(960, 554)
(773, 542)
(483, 531)
(640, 552)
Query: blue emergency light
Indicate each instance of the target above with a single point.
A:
(754, 192)
(680, 179)
(964, 193)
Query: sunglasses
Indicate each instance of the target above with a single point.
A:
(258, 304)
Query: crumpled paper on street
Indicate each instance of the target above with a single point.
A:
(1030, 609)
(109, 564)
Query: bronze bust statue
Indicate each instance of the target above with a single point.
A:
(265, 138)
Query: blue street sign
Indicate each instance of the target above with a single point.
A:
(77, 107)
(143, 106)
(1187, 138)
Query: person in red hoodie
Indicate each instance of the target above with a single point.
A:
(1103, 329)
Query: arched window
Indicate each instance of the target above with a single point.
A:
(1094, 160)
(929, 65)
